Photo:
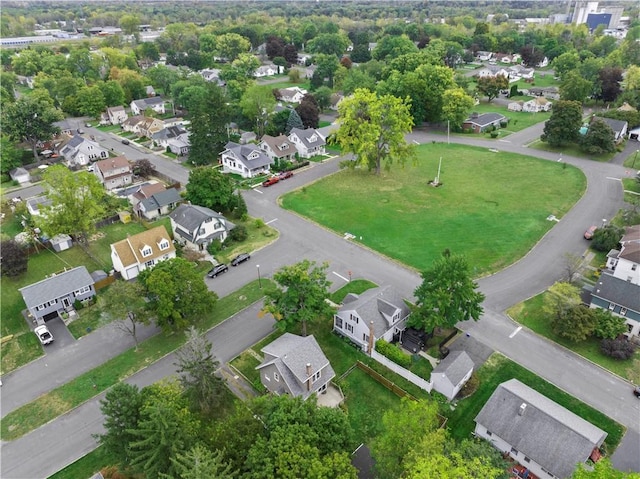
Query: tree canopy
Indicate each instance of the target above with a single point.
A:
(208, 187)
(564, 125)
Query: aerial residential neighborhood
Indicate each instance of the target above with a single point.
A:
(446, 285)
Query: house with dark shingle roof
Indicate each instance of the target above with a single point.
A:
(57, 293)
(278, 147)
(619, 127)
(196, 226)
(117, 115)
(378, 313)
(79, 151)
(156, 103)
(535, 431)
(452, 373)
(142, 251)
(158, 204)
(246, 160)
(482, 122)
(618, 288)
(296, 366)
(309, 142)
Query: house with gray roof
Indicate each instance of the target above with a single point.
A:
(618, 127)
(535, 431)
(56, 294)
(175, 138)
(78, 151)
(20, 175)
(117, 115)
(196, 226)
(296, 366)
(482, 122)
(452, 373)
(378, 313)
(245, 160)
(156, 103)
(278, 148)
(36, 204)
(309, 142)
(158, 204)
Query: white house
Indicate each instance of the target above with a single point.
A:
(142, 251)
(452, 373)
(267, 70)
(246, 160)
(538, 433)
(536, 105)
(20, 175)
(156, 103)
(378, 313)
(117, 115)
(618, 288)
(79, 151)
(296, 366)
(175, 138)
(292, 95)
(308, 142)
(196, 226)
(515, 106)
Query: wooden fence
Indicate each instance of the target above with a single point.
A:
(394, 388)
(103, 283)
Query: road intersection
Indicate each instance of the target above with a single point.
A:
(67, 438)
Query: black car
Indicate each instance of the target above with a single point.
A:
(241, 258)
(218, 269)
(125, 142)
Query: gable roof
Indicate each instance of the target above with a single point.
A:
(129, 250)
(616, 125)
(310, 138)
(279, 145)
(112, 163)
(56, 286)
(133, 120)
(484, 119)
(631, 235)
(290, 354)
(250, 155)
(190, 217)
(377, 305)
(169, 132)
(148, 190)
(455, 366)
(539, 428)
(631, 252)
(148, 102)
(160, 199)
(115, 109)
(618, 291)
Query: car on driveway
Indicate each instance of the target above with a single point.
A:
(43, 334)
(589, 233)
(218, 269)
(285, 174)
(241, 258)
(270, 181)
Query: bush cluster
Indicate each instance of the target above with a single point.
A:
(617, 348)
(394, 353)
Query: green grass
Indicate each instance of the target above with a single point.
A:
(485, 209)
(366, 401)
(531, 315)
(518, 120)
(633, 160)
(356, 286)
(631, 186)
(11, 224)
(86, 466)
(571, 150)
(70, 395)
(323, 123)
(499, 369)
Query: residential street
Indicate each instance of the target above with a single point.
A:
(43, 452)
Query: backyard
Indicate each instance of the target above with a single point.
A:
(485, 207)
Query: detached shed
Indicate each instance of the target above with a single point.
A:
(61, 242)
(20, 175)
(452, 373)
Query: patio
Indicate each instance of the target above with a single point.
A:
(332, 397)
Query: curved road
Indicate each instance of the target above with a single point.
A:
(38, 454)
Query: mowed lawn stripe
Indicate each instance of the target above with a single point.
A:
(491, 206)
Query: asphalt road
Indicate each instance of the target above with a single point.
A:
(39, 454)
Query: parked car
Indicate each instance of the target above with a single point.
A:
(285, 174)
(636, 391)
(80, 131)
(271, 181)
(90, 168)
(125, 141)
(241, 258)
(589, 233)
(43, 334)
(218, 269)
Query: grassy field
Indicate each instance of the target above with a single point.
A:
(485, 209)
(571, 150)
(356, 286)
(499, 369)
(530, 314)
(84, 387)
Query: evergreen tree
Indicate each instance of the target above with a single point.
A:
(294, 121)
(209, 116)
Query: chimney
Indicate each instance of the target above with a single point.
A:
(308, 376)
(523, 406)
(371, 337)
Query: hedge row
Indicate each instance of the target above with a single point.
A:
(394, 353)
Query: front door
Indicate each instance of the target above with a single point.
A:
(66, 302)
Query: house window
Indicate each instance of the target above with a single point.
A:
(629, 327)
(146, 251)
(355, 318)
(526, 459)
(348, 327)
(149, 264)
(365, 337)
(338, 322)
(52, 302)
(623, 311)
(41, 307)
(612, 306)
(86, 289)
(276, 377)
(634, 267)
(164, 244)
(267, 378)
(201, 231)
(316, 376)
(514, 451)
(489, 433)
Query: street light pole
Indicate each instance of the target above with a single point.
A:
(259, 279)
(604, 222)
(633, 165)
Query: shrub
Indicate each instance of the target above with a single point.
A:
(394, 353)
(607, 238)
(504, 123)
(214, 247)
(617, 348)
(494, 134)
(239, 233)
(78, 305)
(259, 223)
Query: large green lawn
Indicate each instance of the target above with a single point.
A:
(518, 120)
(492, 207)
(499, 369)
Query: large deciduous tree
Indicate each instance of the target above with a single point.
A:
(125, 302)
(447, 295)
(178, 295)
(10, 156)
(77, 202)
(373, 128)
(300, 295)
(197, 368)
(603, 469)
(599, 139)
(30, 119)
(575, 87)
(610, 80)
(230, 45)
(209, 188)
(309, 111)
(456, 105)
(563, 127)
(607, 238)
(13, 258)
(257, 104)
(209, 116)
(490, 86)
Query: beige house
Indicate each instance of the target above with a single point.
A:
(142, 251)
(114, 172)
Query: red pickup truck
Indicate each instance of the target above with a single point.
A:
(271, 181)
